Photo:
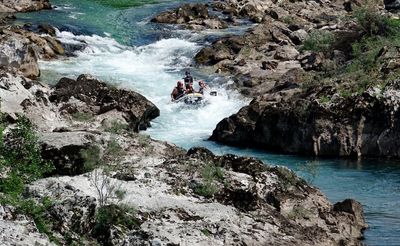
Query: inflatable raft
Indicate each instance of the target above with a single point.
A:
(192, 99)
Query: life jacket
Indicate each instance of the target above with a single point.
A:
(188, 79)
(190, 90)
(201, 90)
(180, 93)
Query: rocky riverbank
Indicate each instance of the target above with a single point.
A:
(76, 172)
(12, 6)
(169, 196)
(322, 75)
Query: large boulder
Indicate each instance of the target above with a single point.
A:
(192, 16)
(64, 150)
(366, 125)
(102, 98)
(23, 5)
(17, 54)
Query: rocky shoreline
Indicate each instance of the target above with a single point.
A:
(106, 184)
(322, 76)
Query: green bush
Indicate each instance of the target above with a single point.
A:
(210, 174)
(116, 127)
(113, 149)
(91, 157)
(20, 158)
(113, 215)
(82, 116)
(319, 41)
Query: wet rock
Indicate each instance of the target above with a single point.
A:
(101, 98)
(352, 207)
(364, 126)
(47, 29)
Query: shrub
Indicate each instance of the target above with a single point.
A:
(110, 216)
(207, 189)
(21, 161)
(319, 40)
(20, 164)
(116, 127)
(310, 169)
(91, 157)
(113, 149)
(82, 116)
(210, 174)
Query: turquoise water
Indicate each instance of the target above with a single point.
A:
(127, 50)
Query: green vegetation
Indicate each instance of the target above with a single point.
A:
(368, 52)
(82, 116)
(144, 140)
(299, 212)
(288, 178)
(288, 20)
(206, 232)
(117, 127)
(319, 40)
(91, 157)
(310, 169)
(210, 174)
(113, 215)
(21, 164)
(20, 159)
(113, 149)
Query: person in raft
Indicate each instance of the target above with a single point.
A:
(202, 86)
(178, 92)
(189, 88)
(188, 79)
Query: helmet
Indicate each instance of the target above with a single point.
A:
(187, 73)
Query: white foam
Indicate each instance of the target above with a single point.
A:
(152, 70)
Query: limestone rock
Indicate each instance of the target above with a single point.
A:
(23, 5)
(352, 127)
(137, 110)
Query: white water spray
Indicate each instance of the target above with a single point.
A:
(152, 70)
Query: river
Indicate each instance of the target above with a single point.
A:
(125, 49)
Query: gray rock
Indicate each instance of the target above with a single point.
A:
(17, 54)
(23, 5)
(348, 127)
(286, 53)
(101, 98)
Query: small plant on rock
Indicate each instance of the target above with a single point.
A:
(310, 169)
(82, 116)
(116, 127)
(210, 174)
(91, 156)
(320, 41)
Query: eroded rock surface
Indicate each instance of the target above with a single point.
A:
(252, 203)
(365, 125)
(193, 16)
(23, 5)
